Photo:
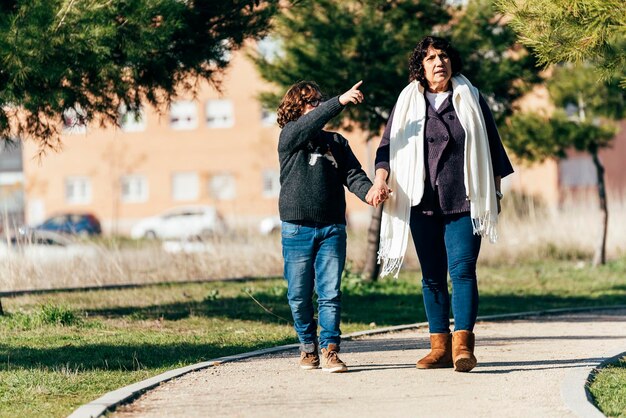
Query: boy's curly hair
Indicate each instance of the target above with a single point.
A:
(292, 105)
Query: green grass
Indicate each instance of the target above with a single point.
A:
(609, 389)
(60, 350)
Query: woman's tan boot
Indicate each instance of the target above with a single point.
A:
(463, 351)
(440, 355)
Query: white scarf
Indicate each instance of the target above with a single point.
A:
(407, 174)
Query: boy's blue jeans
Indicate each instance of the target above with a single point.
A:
(447, 243)
(314, 255)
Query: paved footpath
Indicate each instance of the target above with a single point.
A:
(524, 369)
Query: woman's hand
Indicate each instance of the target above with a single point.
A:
(354, 95)
(379, 192)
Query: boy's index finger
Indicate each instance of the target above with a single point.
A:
(357, 85)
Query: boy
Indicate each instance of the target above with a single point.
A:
(314, 167)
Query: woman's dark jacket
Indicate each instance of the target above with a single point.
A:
(444, 149)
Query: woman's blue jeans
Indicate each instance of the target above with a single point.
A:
(447, 243)
(315, 256)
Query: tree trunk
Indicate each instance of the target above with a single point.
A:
(372, 268)
(600, 253)
(1, 310)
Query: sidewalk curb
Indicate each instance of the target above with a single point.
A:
(576, 393)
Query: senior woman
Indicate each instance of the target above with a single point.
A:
(439, 164)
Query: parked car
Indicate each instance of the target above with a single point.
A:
(181, 223)
(72, 223)
(44, 246)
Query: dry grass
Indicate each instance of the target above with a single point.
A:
(573, 233)
(147, 262)
(527, 232)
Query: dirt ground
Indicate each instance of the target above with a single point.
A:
(522, 367)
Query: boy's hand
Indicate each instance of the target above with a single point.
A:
(378, 193)
(353, 95)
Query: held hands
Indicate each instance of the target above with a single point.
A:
(378, 193)
(354, 95)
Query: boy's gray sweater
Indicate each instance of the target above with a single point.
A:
(314, 167)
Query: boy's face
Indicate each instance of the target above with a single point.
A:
(312, 103)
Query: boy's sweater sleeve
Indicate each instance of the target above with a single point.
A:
(356, 179)
(298, 132)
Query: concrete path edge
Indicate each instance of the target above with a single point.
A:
(575, 388)
(573, 391)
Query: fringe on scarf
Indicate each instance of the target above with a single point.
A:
(390, 266)
(486, 227)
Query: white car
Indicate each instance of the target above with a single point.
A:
(182, 222)
(44, 246)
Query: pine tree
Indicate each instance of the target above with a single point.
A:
(573, 31)
(536, 137)
(338, 42)
(94, 56)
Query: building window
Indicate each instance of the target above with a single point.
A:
(74, 120)
(220, 113)
(185, 186)
(223, 187)
(271, 183)
(183, 115)
(577, 172)
(132, 120)
(134, 189)
(268, 117)
(78, 190)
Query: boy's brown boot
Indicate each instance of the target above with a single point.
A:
(463, 351)
(330, 360)
(440, 355)
(309, 361)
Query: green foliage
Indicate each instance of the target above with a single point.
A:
(212, 295)
(577, 85)
(608, 388)
(373, 40)
(535, 137)
(47, 314)
(573, 31)
(58, 315)
(493, 60)
(93, 56)
(338, 42)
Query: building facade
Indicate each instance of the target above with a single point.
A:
(220, 149)
(217, 149)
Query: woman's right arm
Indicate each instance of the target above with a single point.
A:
(380, 191)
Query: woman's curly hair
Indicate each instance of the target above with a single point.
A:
(416, 62)
(292, 105)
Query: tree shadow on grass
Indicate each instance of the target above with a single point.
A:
(131, 356)
(120, 357)
(358, 308)
(270, 308)
(381, 309)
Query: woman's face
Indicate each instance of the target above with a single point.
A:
(437, 70)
